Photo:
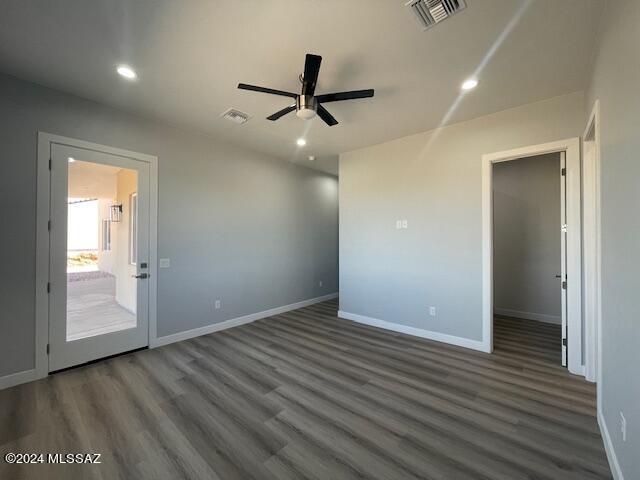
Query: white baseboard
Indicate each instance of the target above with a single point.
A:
(577, 371)
(540, 317)
(417, 332)
(17, 378)
(234, 322)
(608, 448)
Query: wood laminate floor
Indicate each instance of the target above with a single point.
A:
(307, 395)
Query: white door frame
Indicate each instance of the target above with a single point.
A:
(592, 258)
(571, 147)
(45, 140)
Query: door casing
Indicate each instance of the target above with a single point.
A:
(592, 249)
(45, 142)
(571, 147)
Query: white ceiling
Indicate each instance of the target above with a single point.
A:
(92, 180)
(190, 56)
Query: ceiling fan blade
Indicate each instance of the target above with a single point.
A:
(244, 86)
(310, 76)
(326, 116)
(281, 113)
(337, 97)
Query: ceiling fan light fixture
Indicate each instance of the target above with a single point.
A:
(306, 106)
(306, 113)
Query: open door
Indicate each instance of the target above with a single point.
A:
(563, 262)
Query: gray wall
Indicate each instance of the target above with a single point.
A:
(526, 238)
(253, 231)
(433, 180)
(615, 81)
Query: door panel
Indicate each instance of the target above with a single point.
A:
(99, 242)
(563, 236)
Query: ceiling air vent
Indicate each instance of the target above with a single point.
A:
(431, 12)
(236, 116)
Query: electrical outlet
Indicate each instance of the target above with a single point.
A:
(623, 427)
(405, 224)
(320, 283)
(432, 311)
(217, 304)
(165, 262)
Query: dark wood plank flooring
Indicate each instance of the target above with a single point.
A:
(307, 395)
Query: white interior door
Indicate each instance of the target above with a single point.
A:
(99, 255)
(563, 241)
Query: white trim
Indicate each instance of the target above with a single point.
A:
(153, 250)
(539, 317)
(616, 471)
(416, 332)
(42, 254)
(14, 379)
(234, 322)
(42, 236)
(592, 252)
(574, 240)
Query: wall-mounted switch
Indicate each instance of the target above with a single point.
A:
(432, 311)
(398, 224)
(217, 304)
(405, 224)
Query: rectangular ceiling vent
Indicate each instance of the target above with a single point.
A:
(236, 116)
(432, 12)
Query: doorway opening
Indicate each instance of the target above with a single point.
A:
(569, 233)
(101, 226)
(528, 268)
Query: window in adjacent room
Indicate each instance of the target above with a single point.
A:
(106, 235)
(133, 228)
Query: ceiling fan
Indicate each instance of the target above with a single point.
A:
(307, 103)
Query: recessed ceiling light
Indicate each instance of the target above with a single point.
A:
(301, 142)
(127, 72)
(311, 158)
(470, 84)
(71, 159)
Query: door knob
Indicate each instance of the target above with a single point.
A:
(142, 275)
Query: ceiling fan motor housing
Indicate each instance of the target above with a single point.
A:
(306, 106)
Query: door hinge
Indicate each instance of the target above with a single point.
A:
(49, 163)
(564, 285)
(49, 225)
(563, 172)
(47, 349)
(564, 342)
(48, 287)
